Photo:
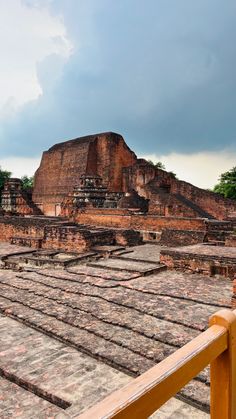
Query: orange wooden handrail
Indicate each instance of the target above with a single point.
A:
(147, 393)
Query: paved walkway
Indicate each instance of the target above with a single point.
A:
(127, 321)
(53, 371)
(44, 378)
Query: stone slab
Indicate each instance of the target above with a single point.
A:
(205, 251)
(146, 252)
(55, 368)
(7, 249)
(97, 271)
(63, 370)
(128, 265)
(184, 286)
(16, 402)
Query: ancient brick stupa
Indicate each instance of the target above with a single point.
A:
(62, 166)
(106, 159)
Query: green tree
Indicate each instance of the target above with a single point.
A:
(27, 182)
(4, 175)
(227, 184)
(173, 174)
(158, 165)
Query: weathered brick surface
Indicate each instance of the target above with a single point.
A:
(108, 156)
(128, 321)
(159, 185)
(63, 164)
(53, 370)
(172, 237)
(231, 240)
(15, 402)
(21, 227)
(204, 259)
(15, 200)
(57, 369)
(110, 218)
(56, 233)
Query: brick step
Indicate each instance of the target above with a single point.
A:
(118, 264)
(119, 356)
(48, 259)
(214, 225)
(214, 243)
(15, 399)
(123, 252)
(108, 250)
(10, 264)
(7, 373)
(28, 241)
(53, 370)
(132, 259)
(97, 272)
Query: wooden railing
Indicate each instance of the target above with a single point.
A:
(147, 393)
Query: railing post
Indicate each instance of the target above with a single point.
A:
(223, 370)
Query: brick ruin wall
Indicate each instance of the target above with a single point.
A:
(24, 206)
(197, 264)
(146, 180)
(59, 171)
(63, 164)
(48, 233)
(231, 240)
(170, 206)
(127, 220)
(32, 231)
(172, 237)
(66, 238)
(112, 156)
(233, 300)
(21, 227)
(211, 202)
(108, 155)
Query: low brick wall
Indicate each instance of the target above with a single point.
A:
(21, 227)
(127, 220)
(128, 237)
(51, 233)
(64, 238)
(197, 263)
(181, 237)
(231, 240)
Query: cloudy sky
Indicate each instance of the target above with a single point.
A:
(159, 72)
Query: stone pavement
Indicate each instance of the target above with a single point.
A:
(16, 402)
(205, 250)
(147, 252)
(126, 321)
(44, 378)
(65, 377)
(207, 259)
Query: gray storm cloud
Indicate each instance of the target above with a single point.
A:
(160, 72)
